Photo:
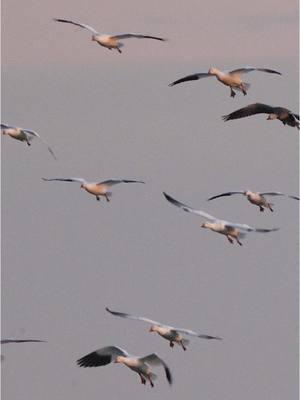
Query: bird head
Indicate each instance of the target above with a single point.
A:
(212, 71)
(153, 328)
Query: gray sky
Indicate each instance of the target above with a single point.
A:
(65, 256)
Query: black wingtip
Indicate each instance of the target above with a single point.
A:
(169, 375)
(225, 118)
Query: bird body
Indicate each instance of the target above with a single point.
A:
(228, 78)
(140, 365)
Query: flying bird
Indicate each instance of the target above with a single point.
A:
(229, 78)
(140, 365)
(24, 135)
(284, 115)
(109, 41)
(97, 189)
(257, 198)
(173, 335)
(231, 230)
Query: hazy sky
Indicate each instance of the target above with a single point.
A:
(66, 256)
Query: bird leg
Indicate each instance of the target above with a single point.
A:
(182, 345)
(243, 89)
(241, 244)
(232, 93)
(150, 380)
(143, 380)
(98, 198)
(28, 143)
(107, 198)
(270, 208)
(119, 50)
(261, 209)
(230, 239)
(171, 344)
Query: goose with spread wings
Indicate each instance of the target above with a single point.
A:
(256, 198)
(23, 135)
(96, 188)
(233, 231)
(140, 365)
(228, 78)
(284, 115)
(109, 41)
(170, 333)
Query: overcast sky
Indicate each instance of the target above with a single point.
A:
(66, 256)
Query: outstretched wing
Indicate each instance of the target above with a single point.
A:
(154, 360)
(101, 357)
(247, 228)
(80, 180)
(89, 28)
(251, 109)
(272, 194)
(5, 341)
(226, 194)
(193, 77)
(294, 197)
(187, 208)
(244, 70)
(112, 182)
(199, 335)
(4, 126)
(129, 316)
(33, 133)
(136, 36)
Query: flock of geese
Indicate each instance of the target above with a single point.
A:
(234, 232)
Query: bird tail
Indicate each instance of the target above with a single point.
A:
(185, 342)
(246, 87)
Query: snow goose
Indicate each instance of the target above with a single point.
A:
(256, 198)
(173, 335)
(109, 41)
(229, 78)
(140, 365)
(282, 114)
(96, 188)
(231, 230)
(24, 135)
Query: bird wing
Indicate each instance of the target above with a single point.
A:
(251, 109)
(4, 341)
(102, 356)
(129, 316)
(89, 28)
(193, 77)
(226, 194)
(192, 333)
(153, 359)
(294, 197)
(35, 134)
(248, 228)
(136, 36)
(187, 208)
(244, 70)
(112, 182)
(272, 194)
(4, 126)
(80, 180)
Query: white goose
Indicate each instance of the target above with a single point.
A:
(231, 230)
(170, 333)
(256, 198)
(229, 78)
(140, 365)
(96, 188)
(24, 135)
(109, 41)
